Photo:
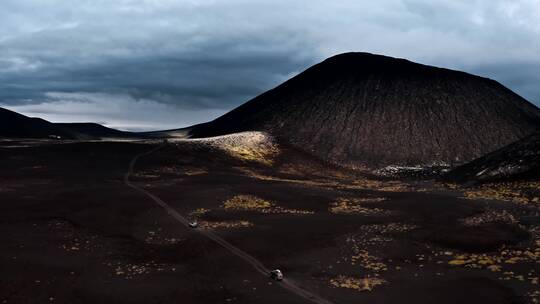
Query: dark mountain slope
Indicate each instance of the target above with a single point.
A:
(368, 110)
(93, 130)
(15, 125)
(519, 160)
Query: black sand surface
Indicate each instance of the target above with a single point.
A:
(72, 232)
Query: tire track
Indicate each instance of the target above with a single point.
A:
(256, 264)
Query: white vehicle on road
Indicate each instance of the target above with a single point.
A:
(193, 224)
(276, 274)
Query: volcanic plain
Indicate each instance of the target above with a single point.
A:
(72, 231)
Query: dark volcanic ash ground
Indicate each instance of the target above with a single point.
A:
(72, 232)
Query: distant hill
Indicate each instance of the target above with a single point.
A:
(92, 130)
(519, 160)
(15, 125)
(371, 111)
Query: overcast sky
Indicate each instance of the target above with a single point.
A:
(154, 64)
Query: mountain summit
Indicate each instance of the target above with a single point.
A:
(370, 111)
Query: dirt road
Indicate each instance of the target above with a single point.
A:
(257, 265)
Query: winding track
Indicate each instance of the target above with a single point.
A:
(257, 265)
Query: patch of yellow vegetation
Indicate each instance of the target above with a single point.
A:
(458, 262)
(199, 212)
(255, 154)
(387, 186)
(303, 169)
(496, 194)
(516, 192)
(360, 284)
(368, 261)
(225, 224)
(500, 261)
(360, 184)
(253, 203)
(354, 205)
(246, 202)
(495, 268)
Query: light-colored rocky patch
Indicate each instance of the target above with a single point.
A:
(195, 171)
(490, 216)
(156, 238)
(131, 270)
(147, 175)
(534, 296)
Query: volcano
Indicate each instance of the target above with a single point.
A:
(370, 111)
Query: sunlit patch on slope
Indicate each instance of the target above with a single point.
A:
(248, 146)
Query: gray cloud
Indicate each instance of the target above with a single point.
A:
(193, 60)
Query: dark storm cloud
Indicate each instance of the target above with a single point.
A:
(214, 71)
(164, 63)
(194, 80)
